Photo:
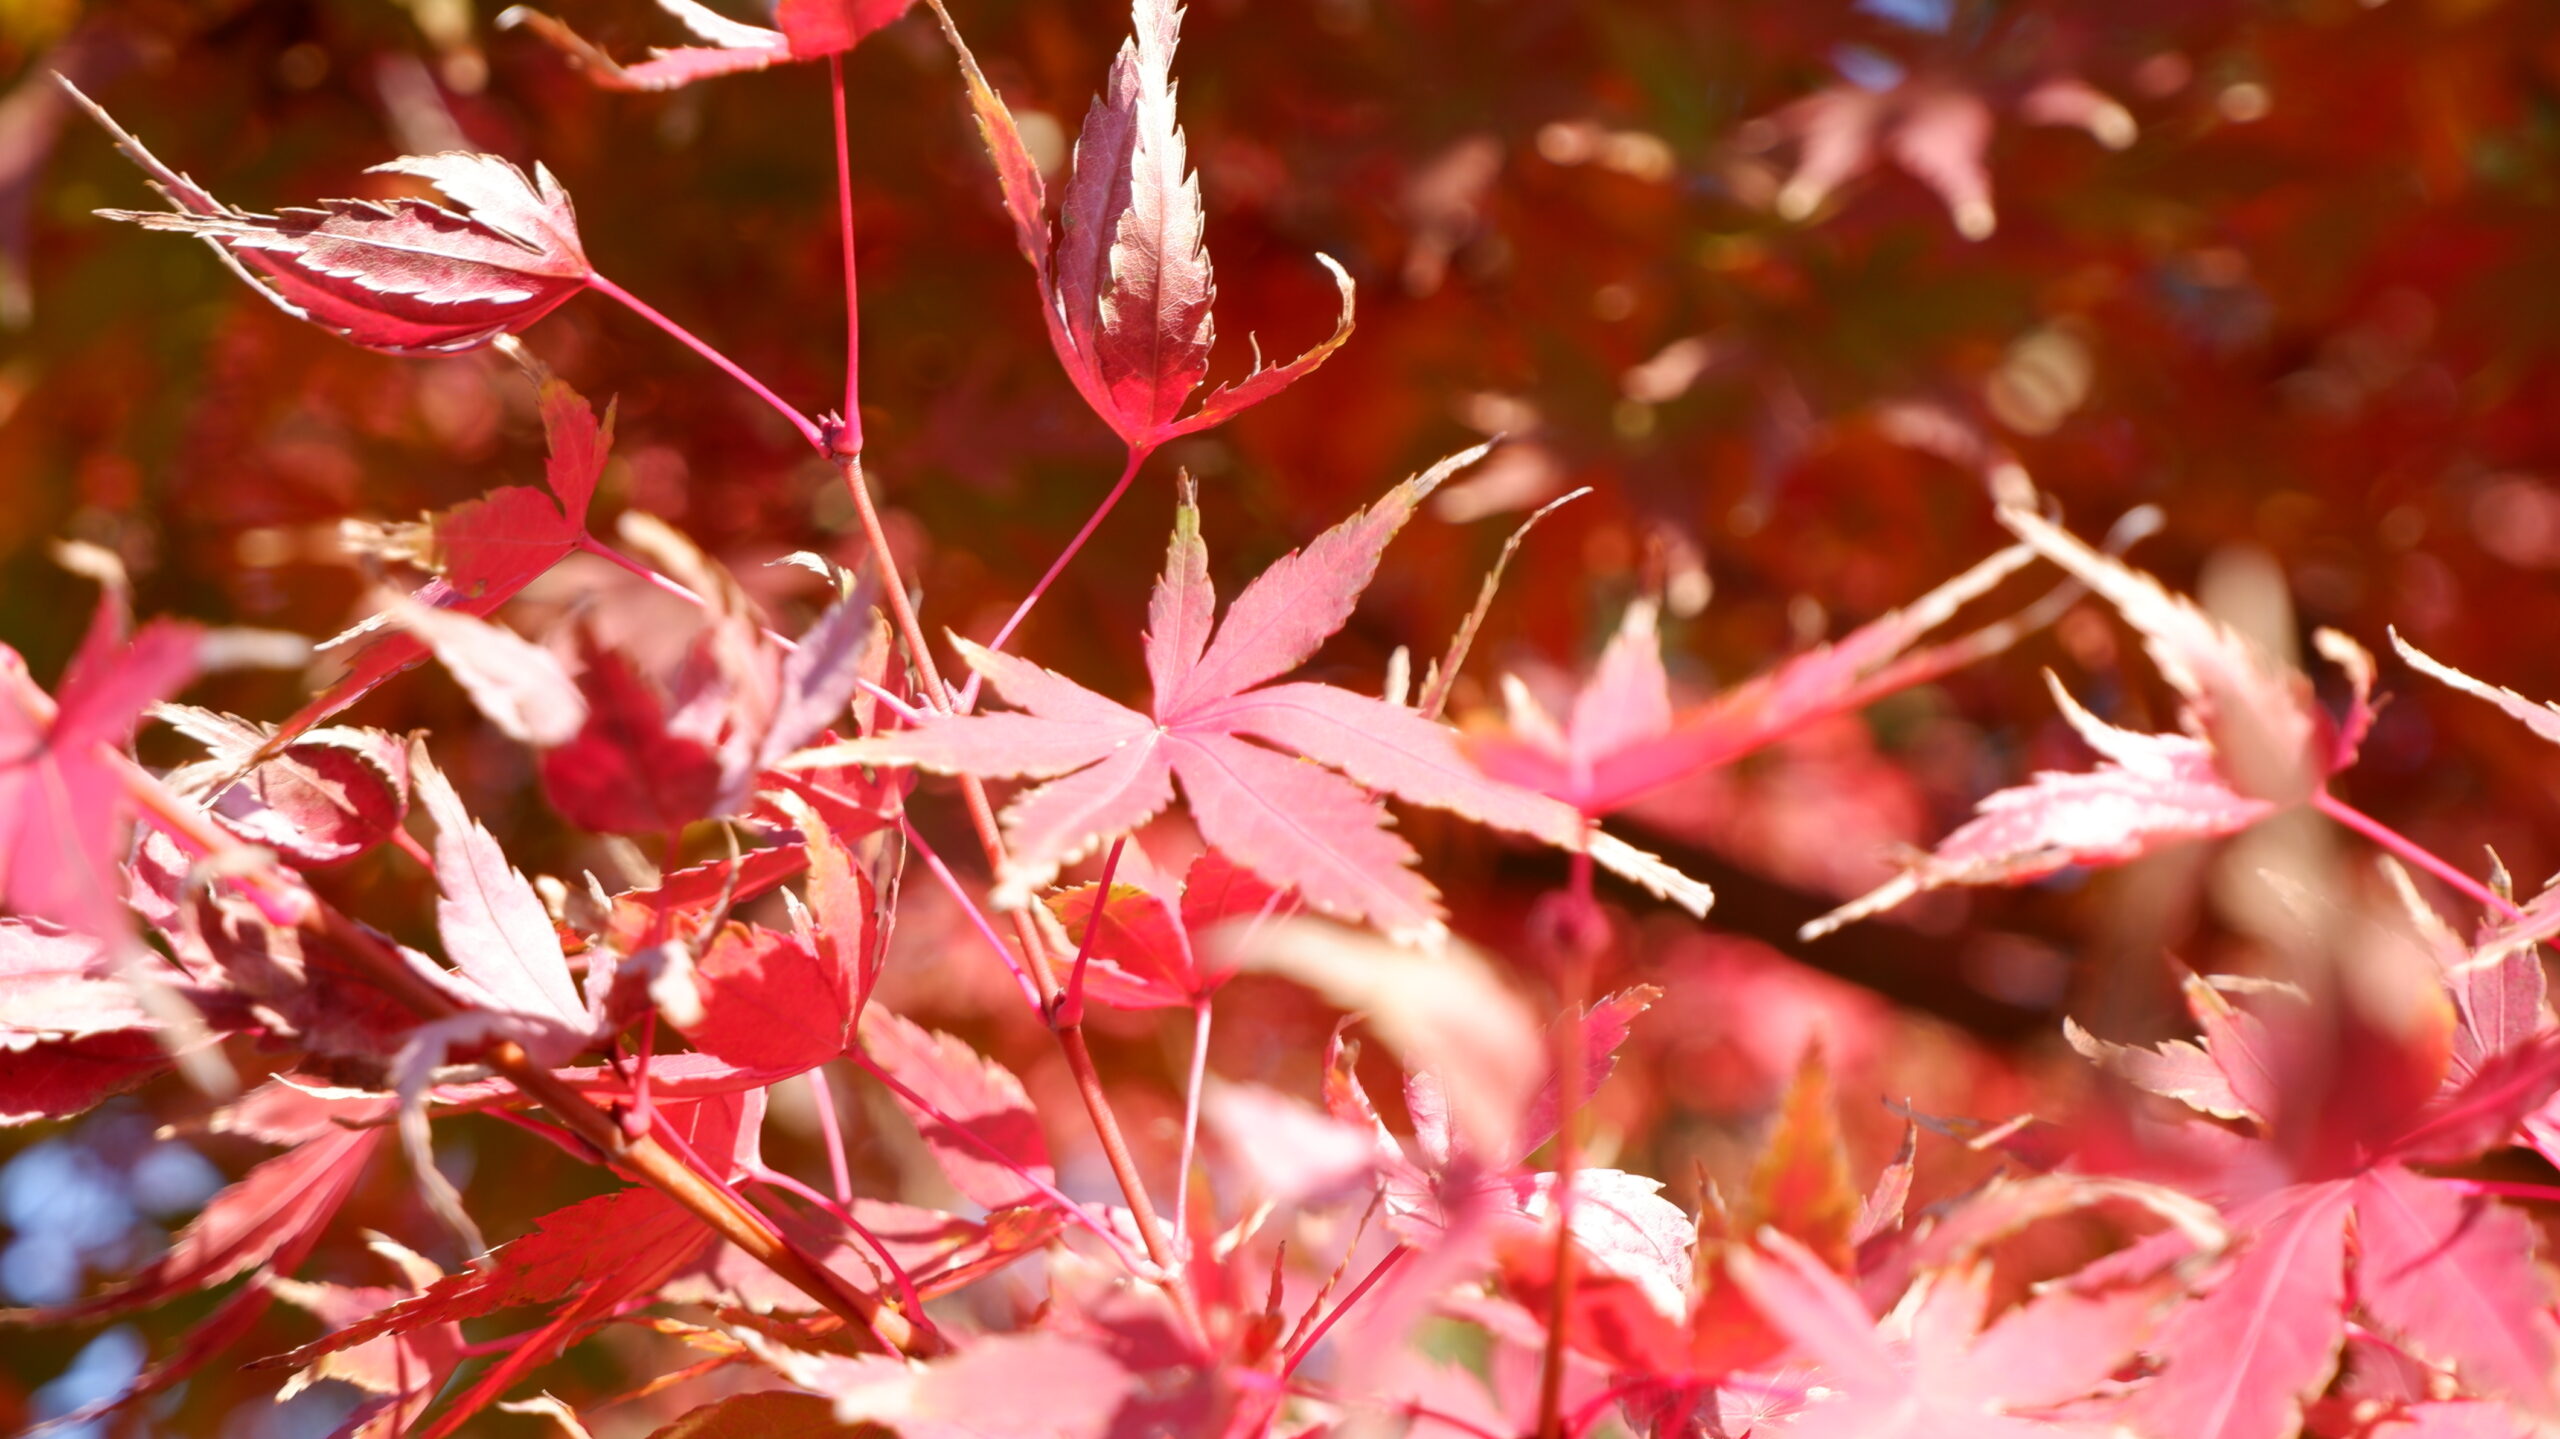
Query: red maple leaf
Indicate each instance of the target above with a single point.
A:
(1294, 821)
(587, 1262)
(407, 277)
(485, 550)
(269, 1221)
(1125, 286)
(805, 30)
(1143, 954)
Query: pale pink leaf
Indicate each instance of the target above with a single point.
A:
(2542, 719)
(496, 932)
(2238, 1363)
(2057, 1347)
(1443, 1010)
(1628, 697)
(2174, 1069)
(1391, 748)
(2072, 101)
(1622, 1223)
(62, 804)
(821, 675)
(1303, 827)
(1133, 276)
(1940, 142)
(972, 1096)
(1066, 819)
(1286, 1150)
(2455, 1277)
(58, 985)
(1007, 1386)
(1815, 1309)
(2255, 714)
(1298, 603)
(324, 799)
(1183, 606)
(521, 687)
(2105, 816)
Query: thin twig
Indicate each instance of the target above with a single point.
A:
(2412, 851)
(982, 818)
(1299, 1351)
(1137, 457)
(1575, 980)
(831, 1134)
(980, 1143)
(849, 440)
(807, 427)
(1200, 1012)
(1069, 1010)
(969, 909)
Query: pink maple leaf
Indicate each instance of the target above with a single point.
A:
(1622, 738)
(1275, 773)
(2254, 742)
(1125, 286)
(804, 30)
(505, 951)
(406, 277)
(62, 800)
(980, 1125)
(1940, 1372)
(2334, 1107)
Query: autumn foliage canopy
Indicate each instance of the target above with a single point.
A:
(1404, 912)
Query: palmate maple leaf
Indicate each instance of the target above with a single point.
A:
(1229, 734)
(2307, 1121)
(407, 277)
(804, 30)
(1622, 738)
(62, 804)
(2254, 743)
(1936, 1370)
(1125, 286)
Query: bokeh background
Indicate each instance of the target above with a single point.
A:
(2281, 270)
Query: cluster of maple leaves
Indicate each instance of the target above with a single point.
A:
(2260, 1231)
